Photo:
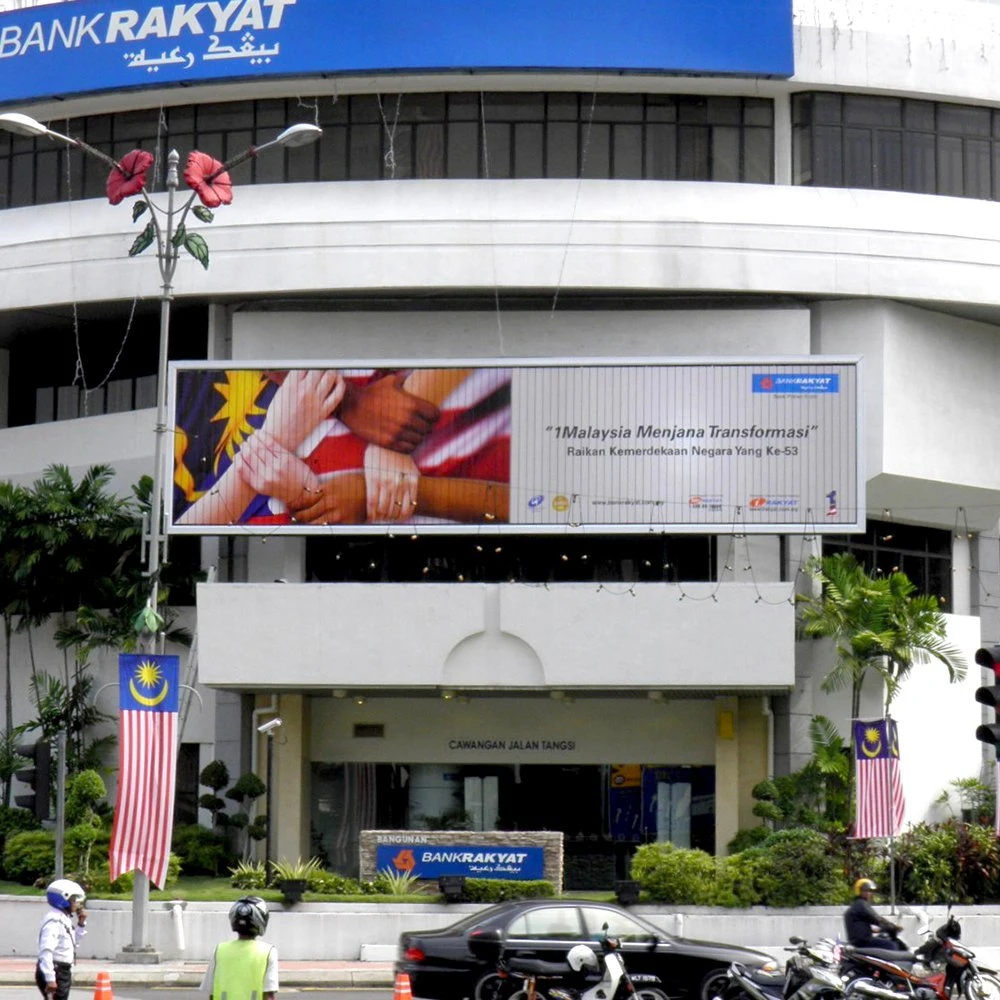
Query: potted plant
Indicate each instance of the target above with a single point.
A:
(292, 877)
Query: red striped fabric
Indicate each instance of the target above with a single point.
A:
(144, 813)
(880, 801)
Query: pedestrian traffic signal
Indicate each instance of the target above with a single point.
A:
(38, 777)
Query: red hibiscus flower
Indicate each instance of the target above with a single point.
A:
(129, 176)
(205, 176)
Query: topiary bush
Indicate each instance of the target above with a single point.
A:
(201, 851)
(670, 874)
(496, 890)
(29, 855)
(752, 836)
(14, 820)
(798, 868)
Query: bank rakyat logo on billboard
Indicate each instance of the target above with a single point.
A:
(75, 48)
(472, 860)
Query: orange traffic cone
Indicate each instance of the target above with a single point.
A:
(400, 991)
(102, 988)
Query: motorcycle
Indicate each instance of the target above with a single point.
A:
(939, 969)
(810, 973)
(615, 983)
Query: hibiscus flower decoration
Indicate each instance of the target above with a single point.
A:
(205, 176)
(128, 177)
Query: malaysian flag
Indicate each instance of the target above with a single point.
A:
(880, 786)
(996, 821)
(147, 763)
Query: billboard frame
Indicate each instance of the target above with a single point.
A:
(735, 527)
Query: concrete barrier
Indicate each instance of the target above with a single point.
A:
(369, 931)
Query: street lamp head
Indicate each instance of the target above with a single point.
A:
(299, 135)
(20, 124)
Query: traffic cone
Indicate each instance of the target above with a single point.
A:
(400, 990)
(102, 987)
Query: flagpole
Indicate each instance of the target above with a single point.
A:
(890, 812)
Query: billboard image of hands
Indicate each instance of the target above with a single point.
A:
(755, 445)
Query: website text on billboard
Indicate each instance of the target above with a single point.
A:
(696, 446)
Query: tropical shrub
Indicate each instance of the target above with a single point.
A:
(798, 868)
(670, 874)
(201, 851)
(495, 890)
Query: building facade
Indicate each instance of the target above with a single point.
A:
(834, 195)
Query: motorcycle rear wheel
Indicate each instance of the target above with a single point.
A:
(651, 993)
(981, 987)
(493, 986)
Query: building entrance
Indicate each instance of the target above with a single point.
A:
(604, 811)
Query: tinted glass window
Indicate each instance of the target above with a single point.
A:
(620, 925)
(557, 923)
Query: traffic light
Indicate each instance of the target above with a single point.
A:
(38, 776)
(989, 733)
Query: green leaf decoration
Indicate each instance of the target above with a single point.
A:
(143, 240)
(138, 207)
(148, 620)
(205, 214)
(178, 238)
(197, 247)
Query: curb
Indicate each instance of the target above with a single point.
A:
(165, 975)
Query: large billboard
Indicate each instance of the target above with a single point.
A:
(95, 45)
(762, 445)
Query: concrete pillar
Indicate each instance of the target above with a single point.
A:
(727, 771)
(290, 812)
(961, 574)
(274, 559)
(782, 139)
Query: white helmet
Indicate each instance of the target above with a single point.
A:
(581, 957)
(62, 892)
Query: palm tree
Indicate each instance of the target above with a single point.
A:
(878, 624)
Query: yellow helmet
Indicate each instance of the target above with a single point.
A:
(864, 885)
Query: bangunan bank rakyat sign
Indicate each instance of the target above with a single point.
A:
(78, 48)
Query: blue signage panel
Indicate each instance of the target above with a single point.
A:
(809, 383)
(94, 45)
(471, 860)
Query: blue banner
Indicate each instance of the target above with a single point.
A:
(148, 683)
(95, 45)
(471, 860)
(809, 383)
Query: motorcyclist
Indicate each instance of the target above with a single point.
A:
(861, 920)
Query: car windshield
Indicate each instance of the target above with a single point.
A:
(620, 925)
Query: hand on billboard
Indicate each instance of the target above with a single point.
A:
(384, 413)
(304, 400)
(273, 471)
(341, 500)
(391, 481)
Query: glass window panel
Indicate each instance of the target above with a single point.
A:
(802, 105)
(918, 116)
(529, 154)
(237, 142)
(22, 178)
(828, 156)
(214, 143)
(179, 119)
(232, 115)
(596, 156)
(661, 152)
(919, 163)
(562, 107)
(333, 111)
(693, 153)
(827, 108)
(95, 178)
(963, 120)
(661, 108)
(397, 155)
(270, 168)
(618, 108)
(514, 107)
(97, 128)
(692, 110)
(47, 167)
(857, 158)
(333, 154)
(67, 402)
(886, 111)
(802, 172)
(364, 108)
(145, 392)
(619, 924)
(463, 149)
(365, 152)
(92, 402)
(119, 395)
(996, 170)
(724, 110)
(725, 154)
(272, 113)
(556, 923)
(300, 163)
(758, 156)
(497, 150)
(463, 107)
(627, 152)
(45, 404)
(429, 144)
(977, 168)
(888, 160)
(70, 186)
(950, 174)
(422, 108)
(560, 150)
(758, 112)
(133, 126)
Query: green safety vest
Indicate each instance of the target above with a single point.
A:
(239, 969)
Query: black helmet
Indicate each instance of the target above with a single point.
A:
(249, 916)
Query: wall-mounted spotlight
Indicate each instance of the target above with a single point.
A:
(359, 700)
(339, 693)
(447, 695)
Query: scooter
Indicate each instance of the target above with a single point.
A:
(615, 982)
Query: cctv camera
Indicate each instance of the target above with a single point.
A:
(269, 726)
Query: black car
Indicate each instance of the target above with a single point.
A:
(447, 964)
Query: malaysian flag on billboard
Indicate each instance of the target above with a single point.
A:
(880, 802)
(147, 764)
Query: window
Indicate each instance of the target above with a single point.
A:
(896, 144)
(401, 136)
(557, 923)
(619, 925)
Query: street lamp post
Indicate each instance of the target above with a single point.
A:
(210, 182)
